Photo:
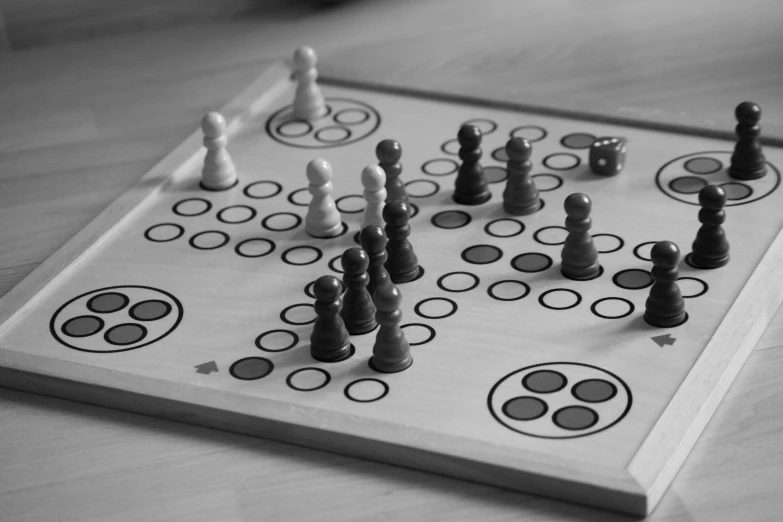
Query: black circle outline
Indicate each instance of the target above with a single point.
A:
(575, 386)
(417, 308)
(428, 327)
(342, 198)
(464, 257)
(364, 113)
(640, 245)
(493, 285)
(504, 408)
(470, 218)
(547, 267)
(737, 183)
(110, 330)
(619, 418)
(100, 327)
(179, 227)
(175, 207)
(594, 307)
(704, 291)
(544, 132)
(528, 388)
(687, 177)
(564, 138)
(522, 225)
(606, 234)
(268, 241)
(572, 155)
(595, 419)
(125, 302)
(494, 154)
(291, 307)
(246, 192)
(280, 125)
(537, 232)
(52, 328)
(423, 180)
(330, 127)
(276, 214)
(132, 310)
(414, 212)
(225, 236)
(289, 379)
(577, 294)
(348, 387)
(496, 167)
(448, 160)
(615, 278)
(550, 175)
(685, 166)
(492, 122)
(253, 214)
(295, 336)
(443, 147)
(476, 281)
(335, 269)
(290, 197)
(232, 368)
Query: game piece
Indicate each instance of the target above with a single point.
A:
(323, 218)
(391, 352)
(309, 103)
(358, 311)
(402, 265)
(219, 172)
(607, 156)
(373, 240)
(710, 248)
(389, 153)
(330, 340)
(665, 306)
(470, 187)
(579, 255)
(373, 180)
(748, 160)
(520, 196)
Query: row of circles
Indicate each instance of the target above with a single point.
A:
(545, 182)
(532, 133)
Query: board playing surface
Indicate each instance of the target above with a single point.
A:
(197, 305)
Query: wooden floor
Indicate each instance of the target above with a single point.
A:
(94, 93)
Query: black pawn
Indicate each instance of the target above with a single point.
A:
(521, 195)
(373, 240)
(389, 153)
(748, 161)
(391, 351)
(710, 248)
(579, 255)
(329, 341)
(665, 306)
(358, 311)
(402, 264)
(471, 186)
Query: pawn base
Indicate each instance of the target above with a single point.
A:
(386, 367)
(523, 210)
(311, 113)
(706, 263)
(665, 322)
(363, 328)
(325, 234)
(745, 175)
(331, 355)
(580, 273)
(405, 277)
(217, 187)
(477, 199)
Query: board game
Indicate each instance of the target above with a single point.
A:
(197, 305)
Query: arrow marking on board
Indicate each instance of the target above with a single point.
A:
(207, 367)
(662, 340)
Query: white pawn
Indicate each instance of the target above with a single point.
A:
(309, 103)
(374, 181)
(323, 218)
(219, 172)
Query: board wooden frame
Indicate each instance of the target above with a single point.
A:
(636, 489)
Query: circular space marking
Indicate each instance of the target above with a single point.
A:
(335, 264)
(418, 333)
(255, 247)
(107, 302)
(449, 219)
(560, 299)
(531, 133)
(486, 126)
(607, 243)
(531, 262)
(642, 250)
(281, 221)
(82, 326)
(125, 334)
(451, 147)
(500, 154)
(351, 116)
(294, 128)
(544, 381)
(508, 290)
(277, 340)
(435, 308)
(414, 210)
(458, 282)
(481, 254)
(308, 379)
(164, 232)
(687, 184)
(692, 287)
(504, 227)
(299, 314)
(594, 390)
(578, 140)
(299, 197)
(561, 161)
(495, 174)
(553, 235)
(736, 190)
(575, 418)
(440, 167)
(350, 204)
(524, 408)
(236, 214)
(632, 279)
(703, 165)
(547, 182)
(421, 188)
(191, 207)
(612, 308)
(150, 310)
(209, 240)
(366, 390)
(263, 189)
(251, 368)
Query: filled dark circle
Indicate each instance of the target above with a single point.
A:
(482, 254)
(578, 140)
(251, 368)
(575, 418)
(632, 279)
(125, 334)
(495, 174)
(594, 390)
(82, 326)
(703, 165)
(450, 219)
(525, 408)
(107, 302)
(150, 310)
(544, 381)
(531, 262)
(687, 185)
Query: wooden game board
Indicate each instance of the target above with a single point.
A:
(196, 306)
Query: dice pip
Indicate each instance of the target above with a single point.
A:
(607, 156)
